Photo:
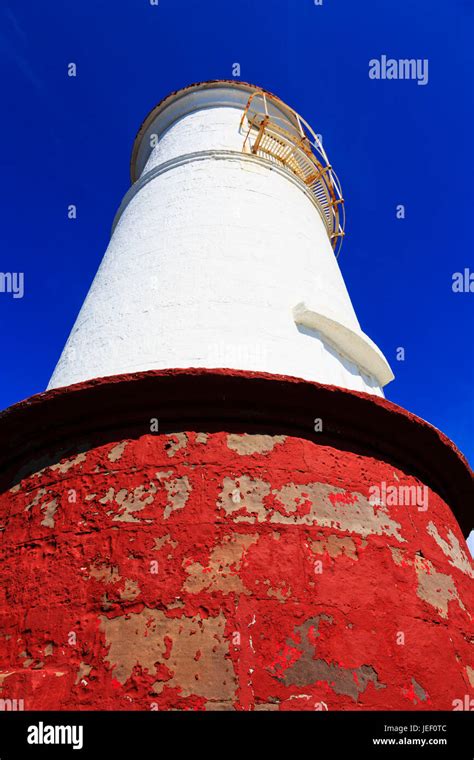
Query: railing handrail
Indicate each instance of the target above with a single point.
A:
(334, 219)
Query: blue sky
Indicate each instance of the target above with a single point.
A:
(68, 140)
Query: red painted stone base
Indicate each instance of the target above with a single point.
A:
(233, 559)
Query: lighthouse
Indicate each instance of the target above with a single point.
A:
(223, 252)
(213, 506)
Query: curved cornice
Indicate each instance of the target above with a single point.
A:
(80, 416)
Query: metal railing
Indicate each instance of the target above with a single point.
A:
(269, 136)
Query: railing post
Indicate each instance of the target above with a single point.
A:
(298, 121)
(300, 155)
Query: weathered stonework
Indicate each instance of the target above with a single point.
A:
(203, 569)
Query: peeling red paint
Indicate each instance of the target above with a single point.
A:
(197, 602)
(342, 498)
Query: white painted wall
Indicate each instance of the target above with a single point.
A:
(209, 256)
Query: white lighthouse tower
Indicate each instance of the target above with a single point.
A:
(223, 252)
(194, 526)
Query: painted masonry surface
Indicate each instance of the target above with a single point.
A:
(216, 570)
